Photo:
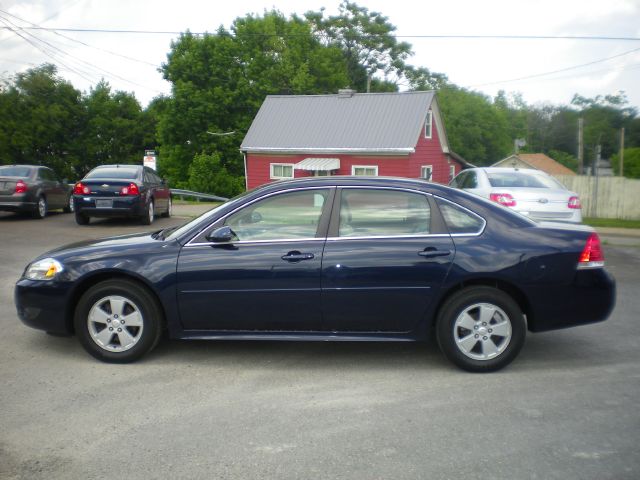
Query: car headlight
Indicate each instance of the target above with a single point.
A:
(45, 269)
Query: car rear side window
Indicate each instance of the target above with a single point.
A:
(285, 216)
(376, 213)
(114, 172)
(460, 220)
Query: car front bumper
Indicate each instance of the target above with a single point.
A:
(44, 305)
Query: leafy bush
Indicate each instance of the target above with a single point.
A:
(208, 175)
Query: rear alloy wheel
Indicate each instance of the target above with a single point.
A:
(70, 208)
(147, 218)
(480, 329)
(82, 219)
(118, 321)
(41, 208)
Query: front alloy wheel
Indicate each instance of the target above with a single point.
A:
(118, 321)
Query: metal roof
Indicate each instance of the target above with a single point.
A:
(343, 123)
(318, 164)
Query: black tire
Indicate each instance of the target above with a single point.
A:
(148, 217)
(41, 208)
(69, 208)
(139, 312)
(82, 219)
(167, 214)
(495, 334)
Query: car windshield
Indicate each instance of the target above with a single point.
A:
(521, 179)
(129, 173)
(15, 171)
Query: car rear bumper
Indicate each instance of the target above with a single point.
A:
(17, 203)
(590, 298)
(43, 305)
(122, 207)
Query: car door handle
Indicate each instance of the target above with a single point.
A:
(431, 252)
(296, 256)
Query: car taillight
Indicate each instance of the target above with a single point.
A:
(591, 256)
(574, 202)
(21, 187)
(81, 189)
(131, 189)
(505, 199)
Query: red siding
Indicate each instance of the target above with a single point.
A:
(427, 152)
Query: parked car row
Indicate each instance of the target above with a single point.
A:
(106, 191)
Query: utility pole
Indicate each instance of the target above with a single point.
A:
(622, 152)
(594, 208)
(580, 146)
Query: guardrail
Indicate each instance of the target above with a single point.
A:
(197, 195)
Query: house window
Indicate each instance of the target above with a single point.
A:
(371, 171)
(452, 172)
(426, 172)
(428, 125)
(281, 170)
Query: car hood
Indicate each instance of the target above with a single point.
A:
(134, 240)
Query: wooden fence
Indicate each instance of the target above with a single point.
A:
(606, 197)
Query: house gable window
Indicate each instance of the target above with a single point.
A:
(428, 125)
(368, 170)
(426, 172)
(279, 171)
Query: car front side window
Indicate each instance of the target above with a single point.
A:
(286, 216)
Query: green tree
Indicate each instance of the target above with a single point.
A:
(565, 159)
(41, 120)
(219, 82)
(367, 42)
(114, 131)
(631, 163)
(208, 174)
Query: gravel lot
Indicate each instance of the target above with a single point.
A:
(567, 408)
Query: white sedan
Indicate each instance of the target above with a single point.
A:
(532, 193)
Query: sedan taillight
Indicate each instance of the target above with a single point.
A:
(81, 189)
(132, 189)
(574, 202)
(21, 187)
(592, 256)
(505, 199)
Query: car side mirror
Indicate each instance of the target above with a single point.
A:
(222, 235)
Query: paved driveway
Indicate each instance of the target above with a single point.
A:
(567, 408)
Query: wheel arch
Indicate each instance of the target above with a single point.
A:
(98, 277)
(499, 284)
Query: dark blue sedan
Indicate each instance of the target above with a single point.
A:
(335, 258)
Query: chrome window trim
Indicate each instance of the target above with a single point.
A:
(458, 235)
(387, 237)
(224, 217)
(247, 242)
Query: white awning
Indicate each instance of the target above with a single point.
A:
(318, 164)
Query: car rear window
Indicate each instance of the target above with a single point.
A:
(515, 179)
(114, 172)
(15, 171)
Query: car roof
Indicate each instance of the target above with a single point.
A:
(119, 165)
(531, 171)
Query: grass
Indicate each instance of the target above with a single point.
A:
(611, 222)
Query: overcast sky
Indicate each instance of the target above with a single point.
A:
(130, 61)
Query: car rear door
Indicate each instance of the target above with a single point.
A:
(385, 258)
(268, 277)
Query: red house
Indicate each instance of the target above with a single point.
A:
(390, 134)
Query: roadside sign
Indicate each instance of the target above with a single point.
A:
(149, 161)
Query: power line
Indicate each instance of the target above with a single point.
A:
(473, 37)
(528, 77)
(78, 41)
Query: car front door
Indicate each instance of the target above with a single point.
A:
(266, 276)
(385, 258)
